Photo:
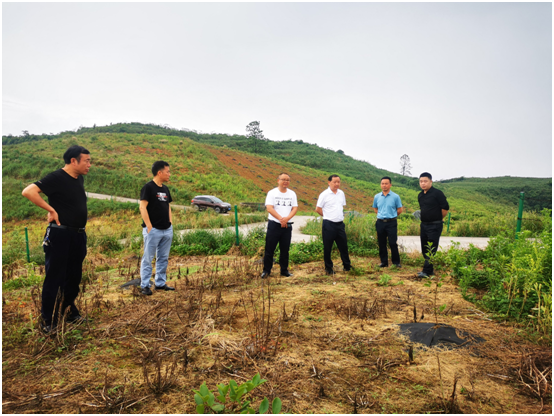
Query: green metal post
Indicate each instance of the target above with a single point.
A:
(448, 224)
(237, 224)
(519, 214)
(27, 244)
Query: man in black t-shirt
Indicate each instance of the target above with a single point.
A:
(434, 207)
(65, 242)
(157, 230)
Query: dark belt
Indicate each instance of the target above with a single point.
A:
(386, 219)
(66, 227)
(432, 222)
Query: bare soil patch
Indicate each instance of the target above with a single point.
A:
(263, 172)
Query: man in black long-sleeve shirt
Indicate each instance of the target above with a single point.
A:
(434, 207)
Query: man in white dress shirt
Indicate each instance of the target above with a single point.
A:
(330, 206)
(282, 205)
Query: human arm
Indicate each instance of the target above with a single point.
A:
(31, 192)
(144, 214)
(170, 215)
(376, 210)
(443, 204)
(319, 210)
(399, 210)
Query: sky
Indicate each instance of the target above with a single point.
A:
(464, 89)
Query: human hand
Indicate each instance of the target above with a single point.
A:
(53, 217)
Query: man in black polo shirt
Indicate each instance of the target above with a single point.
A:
(434, 207)
(65, 242)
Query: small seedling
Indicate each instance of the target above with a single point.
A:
(205, 398)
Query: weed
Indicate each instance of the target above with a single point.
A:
(236, 403)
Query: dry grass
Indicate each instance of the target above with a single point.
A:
(326, 344)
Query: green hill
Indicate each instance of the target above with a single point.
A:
(505, 189)
(294, 151)
(213, 164)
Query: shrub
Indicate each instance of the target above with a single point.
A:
(517, 274)
(305, 252)
(200, 242)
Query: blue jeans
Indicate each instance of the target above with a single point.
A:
(157, 242)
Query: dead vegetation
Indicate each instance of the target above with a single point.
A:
(326, 344)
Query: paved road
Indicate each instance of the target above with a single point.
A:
(121, 199)
(408, 243)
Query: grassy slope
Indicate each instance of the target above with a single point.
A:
(122, 159)
(505, 190)
(121, 164)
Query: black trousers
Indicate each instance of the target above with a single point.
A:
(430, 235)
(64, 257)
(277, 235)
(334, 232)
(388, 230)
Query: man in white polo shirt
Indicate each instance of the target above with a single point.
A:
(330, 206)
(282, 205)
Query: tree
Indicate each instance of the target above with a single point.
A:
(255, 133)
(405, 166)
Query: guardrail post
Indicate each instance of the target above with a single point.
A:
(27, 244)
(519, 214)
(237, 225)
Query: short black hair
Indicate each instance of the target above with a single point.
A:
(386, 177)
(333, 176)
(283, 173)
(74, 151)
(426, 175)
(157, 166)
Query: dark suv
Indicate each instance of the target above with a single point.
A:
(203, 202)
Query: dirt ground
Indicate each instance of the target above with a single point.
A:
(325, 344)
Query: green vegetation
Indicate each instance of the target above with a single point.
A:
(205, 399)
(511, 277)
(505, 189)
(474, 225)
(295, 151)
(122, 155)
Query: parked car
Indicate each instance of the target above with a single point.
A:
(203, 202)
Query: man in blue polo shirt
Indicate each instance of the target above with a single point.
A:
(387, 206)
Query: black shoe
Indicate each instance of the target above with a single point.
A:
(383, 265)
(350, 268)
(164, 287)
(329, 272)
(48, 329)
(397, 265)
(146, 291)
(286, 274)
(265, 275)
